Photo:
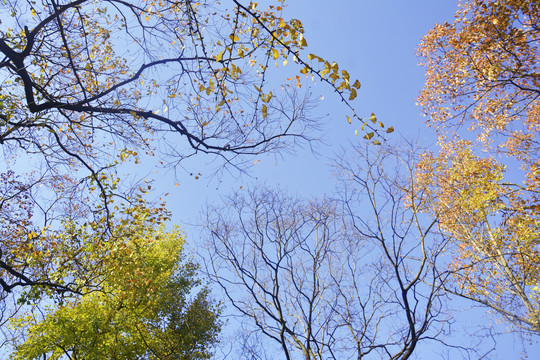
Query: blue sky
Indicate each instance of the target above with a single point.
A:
(376, 42)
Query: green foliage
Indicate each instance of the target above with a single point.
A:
(149, 305)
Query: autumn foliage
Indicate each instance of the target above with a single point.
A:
(136, 296)
(89, 88)
(482, 95)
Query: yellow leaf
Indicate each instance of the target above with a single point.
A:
(281, 23)
(377, 142)
(369, 135)
(373, 118)
(353, 94)
(312, 56)
(357, 84)
(304, 70)
(335, 66)
(147, 18)
(303, 41)
(349, 119)
(219, 56)
(264, 111)
(355, 132)
(275, 53)
(390, 129)
(233, 37)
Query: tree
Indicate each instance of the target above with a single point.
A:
(484, 186)
(88, 85)
(82, 70)
(348, 278)
(146, 301)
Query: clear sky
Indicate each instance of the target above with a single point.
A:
(376, 42)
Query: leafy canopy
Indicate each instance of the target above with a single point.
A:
(482, 95)
(146, 302)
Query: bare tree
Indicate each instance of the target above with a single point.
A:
(348, 278)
